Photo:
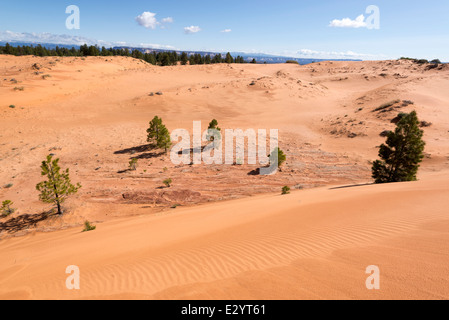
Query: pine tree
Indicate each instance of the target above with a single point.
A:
(214, 125)
(58, 186)
(164, 140)
(280, 156)
(402, 153)
(213, 128)
(184, 58)
(158, 134)
(154, 129)
(229, 58)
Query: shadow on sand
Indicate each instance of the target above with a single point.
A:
(140, 149)
(25, 221)
(353, 186)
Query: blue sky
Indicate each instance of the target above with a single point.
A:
(294, 28)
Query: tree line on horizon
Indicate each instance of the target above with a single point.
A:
(163, 58)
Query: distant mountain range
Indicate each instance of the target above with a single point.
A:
(259, 57)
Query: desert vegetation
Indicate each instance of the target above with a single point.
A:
(6, 210)
(163, 58)
(158, 134)
(133, 164)
(279, 155)
(168, 182)
(286, 190)
(58, 186)
(89, 227)
(402, 153)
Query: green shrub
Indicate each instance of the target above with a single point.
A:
(133, 164)
(168, 182)
(88, 227)
(292, 61)
(286, 190)
(6, 209)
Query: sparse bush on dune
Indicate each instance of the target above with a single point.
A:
(292, 62)
(12, 106)
(418, 61)
(286, 190)
(168, 182)
(6, 209)
(89, 227)
(133, 164)
(402, 153)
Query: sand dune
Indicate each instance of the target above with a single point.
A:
(249, 243)
(307, 245)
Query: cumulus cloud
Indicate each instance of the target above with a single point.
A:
(359, 22)
(312, 54)
(226, 31)
(147, 20)
(192, 29)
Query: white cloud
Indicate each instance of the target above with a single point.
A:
(156, 46)
(192, 29)
(226, 30)
(167, 20)
(49, 38)
(359, 22)
(312, 54)
(147, 20)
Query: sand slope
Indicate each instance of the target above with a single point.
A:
(313, 244)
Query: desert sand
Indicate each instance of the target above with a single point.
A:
(234, 236)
